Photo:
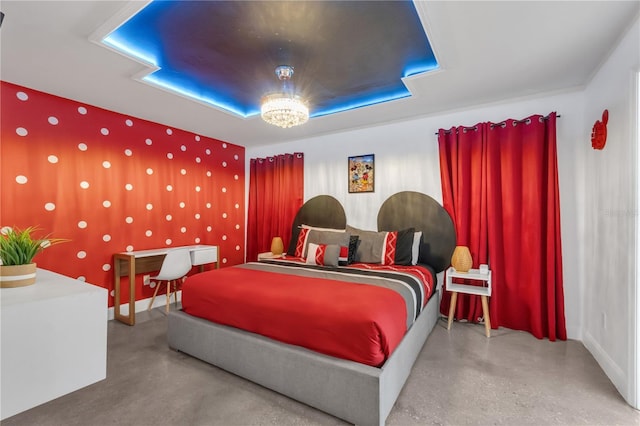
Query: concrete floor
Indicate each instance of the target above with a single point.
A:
(460, 378)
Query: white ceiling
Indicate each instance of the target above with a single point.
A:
(488, 52)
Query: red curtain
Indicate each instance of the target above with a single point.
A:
(276, 191)
(500, 183)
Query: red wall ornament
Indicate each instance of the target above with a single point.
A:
(599, 131)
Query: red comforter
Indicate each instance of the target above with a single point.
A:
(354, 321)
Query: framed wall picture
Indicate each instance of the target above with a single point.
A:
(361, 173)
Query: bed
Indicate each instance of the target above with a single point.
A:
(360, 389)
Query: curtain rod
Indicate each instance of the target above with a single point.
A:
(502, 124)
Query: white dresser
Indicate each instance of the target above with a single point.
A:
(53, 340)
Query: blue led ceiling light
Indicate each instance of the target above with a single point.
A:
(346, 55)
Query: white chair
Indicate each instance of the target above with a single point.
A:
(176, 264)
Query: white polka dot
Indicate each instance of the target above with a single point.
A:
(209, 228)
(106, 164)
(197, 240)
(128, 219)
(129, 248)
(84, 184)
(128, 187)
(208, 205)
(148, 233)
(168, 241)
(129, 123)
(237, 226)
(149, 171)
(237, 248)
(182, 204)
(237, 206)
(21, 131)
(82, 110)
(81, 254)
(104, 131)
(148, 142)
(208, 173)
(106, 238)
(168, 217)
(183, 172)
(197, 189)
(235, 157)
(82, 224)
(197, 138)
(224, 145)
(183, 229)
(149, 206)
(169, 156)
(236, 177)
(169, 131)
(224, 260)
(197, 216)
(21, 179)
(82, 146)
(207, 151)
(84, 279)
(224, 215)
(52, 120)
(224, 164)
(169, 188)
(152, 284)
(52, 159)
(50, 207)
(224, 238)
(106, 267)
(106, 204)
(183, 148)
(224, 189)
(22, 96)
(198, 160)
(112, 293)
(128, 152)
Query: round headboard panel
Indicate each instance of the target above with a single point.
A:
(322, 211)
(411, 209)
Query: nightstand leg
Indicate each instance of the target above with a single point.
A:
(485, 313)
(452, 308)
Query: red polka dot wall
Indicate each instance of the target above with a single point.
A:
(113, 183)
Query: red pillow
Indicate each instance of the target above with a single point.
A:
(302, 242)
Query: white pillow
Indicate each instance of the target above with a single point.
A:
(415, 248)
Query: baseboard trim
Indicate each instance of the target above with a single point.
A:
(610, 368)
(143, 304)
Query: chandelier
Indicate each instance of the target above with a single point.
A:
(284, 109)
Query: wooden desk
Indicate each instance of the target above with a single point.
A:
(130, 263)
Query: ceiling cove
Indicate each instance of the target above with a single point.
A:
(224, 53)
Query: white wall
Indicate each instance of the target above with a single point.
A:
(406, 158)
(611, 216)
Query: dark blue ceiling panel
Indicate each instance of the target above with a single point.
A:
(346, 54)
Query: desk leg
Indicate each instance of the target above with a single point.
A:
(485, 313)
(130, 319)
(452, 308)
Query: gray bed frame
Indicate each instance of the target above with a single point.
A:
(354, 392)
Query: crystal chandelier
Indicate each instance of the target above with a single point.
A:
(284, 109)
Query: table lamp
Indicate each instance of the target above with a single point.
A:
(277, 247)
(461, 259)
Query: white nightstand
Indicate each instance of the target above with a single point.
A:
(268, 255)
(483, 291)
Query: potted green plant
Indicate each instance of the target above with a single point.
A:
(18, 247)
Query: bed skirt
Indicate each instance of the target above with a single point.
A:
(354, 392)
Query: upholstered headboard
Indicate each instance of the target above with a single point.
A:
(402, 210)
(410, 209)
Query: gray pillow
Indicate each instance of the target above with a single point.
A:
(331, 254)
(326, 237)
(370, 245)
